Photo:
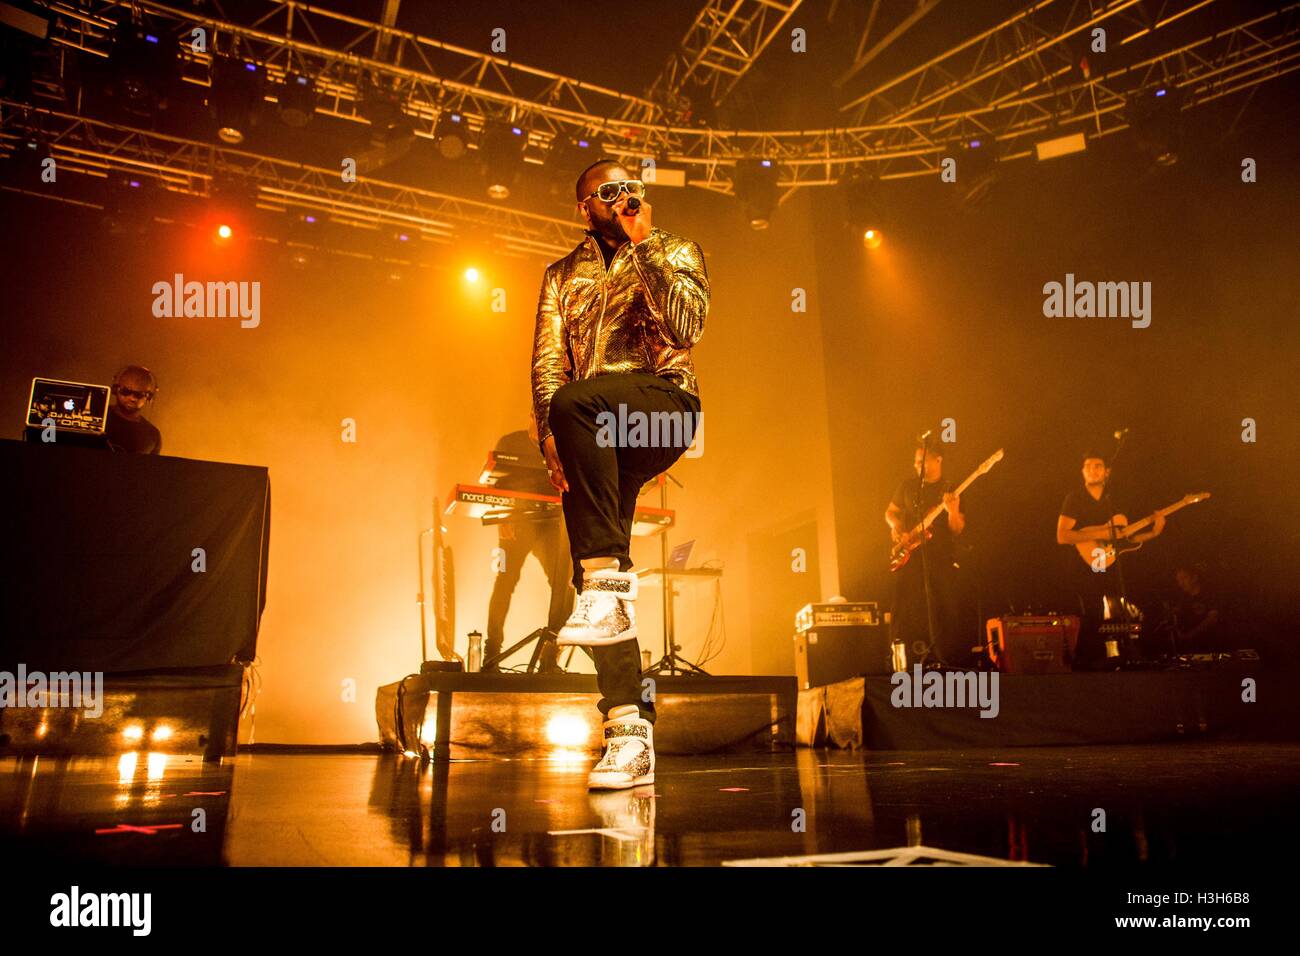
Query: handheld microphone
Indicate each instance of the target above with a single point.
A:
(633, 205)
(1119, 435)
(924, 435)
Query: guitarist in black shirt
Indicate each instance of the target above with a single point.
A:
(1086, 518)
(906, 509)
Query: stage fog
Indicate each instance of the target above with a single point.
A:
(369, 396)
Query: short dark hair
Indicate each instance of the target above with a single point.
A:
(603, 161)
(1095, 453)
(933, 447)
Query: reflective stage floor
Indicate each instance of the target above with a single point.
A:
(1096, 807)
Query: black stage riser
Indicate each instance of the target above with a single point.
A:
(1059, 709)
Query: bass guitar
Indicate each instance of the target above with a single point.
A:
(901, 552)
(1088, 550)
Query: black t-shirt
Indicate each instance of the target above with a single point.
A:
(139, 437)
(1086, 510)
(905, 498)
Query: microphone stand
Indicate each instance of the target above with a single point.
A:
(671, 663)
(1114, 536)
(925, 561)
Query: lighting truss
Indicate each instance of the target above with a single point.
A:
(1018, 81)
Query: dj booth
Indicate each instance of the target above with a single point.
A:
(123, 564)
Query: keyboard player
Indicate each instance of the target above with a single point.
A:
(519, 457)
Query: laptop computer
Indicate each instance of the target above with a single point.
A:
(680, 555)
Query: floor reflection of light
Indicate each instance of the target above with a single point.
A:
(43, 729)
(156, 766)
(126, 767)
(567, 730)
(568, 756)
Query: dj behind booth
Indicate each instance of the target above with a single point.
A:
(146, 570)
(126, 428)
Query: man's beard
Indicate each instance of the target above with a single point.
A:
(612, 230)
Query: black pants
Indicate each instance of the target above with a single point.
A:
(605, 466)
(1095, 589)
(911, 615)
(517, 540)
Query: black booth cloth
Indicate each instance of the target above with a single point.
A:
(100, 555)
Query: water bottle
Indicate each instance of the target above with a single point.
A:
(474, 662)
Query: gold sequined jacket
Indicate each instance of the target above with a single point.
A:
(641, 314)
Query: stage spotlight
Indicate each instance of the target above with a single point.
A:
(224, 231)
(382, 108)
(130, 204)
(862, 199)
(756, 187)
(133, 732)
(471, 275)
(1155, 115)
(235, 98)
(567, 155)
(451, 133)
(297, 100)
(143, 69)
(976, 170)
(502, 150)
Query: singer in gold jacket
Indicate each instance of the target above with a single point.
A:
(616, 322)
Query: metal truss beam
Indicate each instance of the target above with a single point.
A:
(722, 43)
(1014, 81)
(186, 167)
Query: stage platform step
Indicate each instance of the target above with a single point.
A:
(510, 716)
(1061, 709)
(179, 711)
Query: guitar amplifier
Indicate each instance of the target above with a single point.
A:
(826, 654)
(1033, 644)
(845, 612)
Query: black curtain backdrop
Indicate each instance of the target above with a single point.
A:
(101, 560)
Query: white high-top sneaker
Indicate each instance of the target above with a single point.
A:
(629, 759)
(603, 612)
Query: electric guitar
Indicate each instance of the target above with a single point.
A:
(901, 552)
(1087, 549)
